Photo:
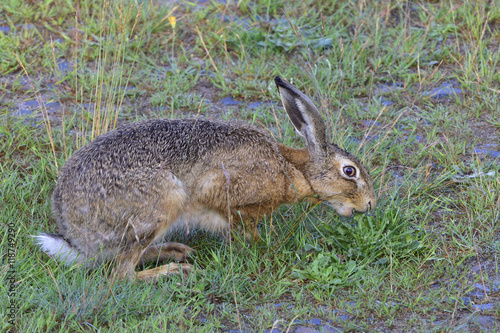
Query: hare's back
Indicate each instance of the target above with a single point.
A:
(162, 143)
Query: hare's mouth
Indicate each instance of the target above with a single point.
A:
(346, 207)
(341, 209)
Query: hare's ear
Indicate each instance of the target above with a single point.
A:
(305, 118)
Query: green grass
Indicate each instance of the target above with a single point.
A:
(410, 266)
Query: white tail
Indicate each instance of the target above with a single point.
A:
(57, 247)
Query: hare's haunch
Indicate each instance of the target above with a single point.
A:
(117, 197)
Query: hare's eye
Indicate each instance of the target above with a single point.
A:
(349, 171)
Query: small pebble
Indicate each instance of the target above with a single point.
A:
(259, 104)
(484, 307)
(464, 300)
(255, 105)
(303, 329)
(481, 287)
(487, 152)
(478, 267)
(315, 321)
(476, 293)
(388, 87)
(372, 138)
(229, 101)
(370, 123)
(274, 330)
(351, 304)
(26, 26)
(419, 138)
(65, 66)
(23, 113)
(31, 103)
(484, 321)
(340, 318)
(386, 102)
(444, 91)
(53, 105)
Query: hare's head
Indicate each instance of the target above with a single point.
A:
(336, 176)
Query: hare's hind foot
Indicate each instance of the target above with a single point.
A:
(160, 252)
(126, 262)
(168, 269)
(164, 251)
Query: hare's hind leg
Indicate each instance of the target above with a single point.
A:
(164, 251)
(154, 212)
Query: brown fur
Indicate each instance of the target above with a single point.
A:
(117, 197)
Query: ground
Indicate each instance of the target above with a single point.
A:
(410, 87)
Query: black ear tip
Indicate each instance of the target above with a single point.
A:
(278, 81)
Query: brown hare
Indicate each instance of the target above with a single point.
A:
(118, 196)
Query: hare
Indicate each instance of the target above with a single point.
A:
(118, 196)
